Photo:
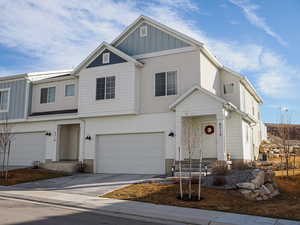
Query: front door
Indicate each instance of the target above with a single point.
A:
(208, 140)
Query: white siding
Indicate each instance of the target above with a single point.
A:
(234, 135)
(51, 142)
(125, 90)
(188, 74)
(247, 141)
(199, 103)
(209, 75)
(62, 102)
(235, 97)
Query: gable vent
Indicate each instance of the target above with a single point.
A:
(143, 31)
(105, 58)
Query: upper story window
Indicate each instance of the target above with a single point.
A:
(105, 58)
(47, 95)
(166, 83)
(143, 31)
(228, 88)
(4, 100)
(70, 90)
(105, 88)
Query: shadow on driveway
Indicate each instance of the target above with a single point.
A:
(85, 184)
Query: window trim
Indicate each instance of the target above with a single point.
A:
(106, 99)
(66, 90)
(8, 99)
(166, 88)
(233, 88)
(47, 95)
(108, 57)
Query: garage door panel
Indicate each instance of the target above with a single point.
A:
(26, 148)
(131, 153)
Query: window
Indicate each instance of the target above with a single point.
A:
(228, 88)
(105, 88)
(4, 100)
(47, 95)
(143, 31)
(70, 90)
(105, 57)
(166, 83)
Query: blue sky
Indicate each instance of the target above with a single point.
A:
(258, 38)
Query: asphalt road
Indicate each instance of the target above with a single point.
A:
(29, 213)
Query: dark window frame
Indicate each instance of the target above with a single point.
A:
(45, 97)
(166, 87)
(106, 88)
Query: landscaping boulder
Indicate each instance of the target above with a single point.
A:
(259, 178)
(262, 187)
(248, 186)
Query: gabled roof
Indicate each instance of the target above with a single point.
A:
(104, 45)
(169, 30)
(163, 27)
(227, 105)
(191, 91)
(190, 40)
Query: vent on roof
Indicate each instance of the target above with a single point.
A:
(143, 31)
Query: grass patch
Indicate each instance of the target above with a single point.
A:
(286, 205)
(19, 176)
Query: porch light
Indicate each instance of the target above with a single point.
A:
(171, 134)
(88, 137)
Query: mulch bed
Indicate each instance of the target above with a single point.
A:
(18, 176)
(286, 205)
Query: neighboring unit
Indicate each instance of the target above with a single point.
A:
(126, 108)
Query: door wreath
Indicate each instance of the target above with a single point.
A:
(209, 129)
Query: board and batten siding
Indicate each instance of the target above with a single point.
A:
(155, 41)
(17, 99)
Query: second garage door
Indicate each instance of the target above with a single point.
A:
(26, 148)
(141, 153)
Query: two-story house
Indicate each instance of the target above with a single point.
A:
(128, 107)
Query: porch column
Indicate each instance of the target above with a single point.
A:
(221, 136)
(178, 136)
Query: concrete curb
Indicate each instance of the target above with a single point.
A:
(141, 210)
(110, 212)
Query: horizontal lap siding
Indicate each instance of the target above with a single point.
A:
(234, 133)
(16, 99)
(125, 90)
(62, 102)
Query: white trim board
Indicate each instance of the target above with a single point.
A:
(8, 99)
(104, 45)
(166, 52)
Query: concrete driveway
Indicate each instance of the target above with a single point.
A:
(85, 184)
(13, 167)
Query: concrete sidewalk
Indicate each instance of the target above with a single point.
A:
(140, 209)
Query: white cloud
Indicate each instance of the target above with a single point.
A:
(59, 34)
(249, 11)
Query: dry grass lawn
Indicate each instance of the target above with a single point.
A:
(286, 205)
(18, 176)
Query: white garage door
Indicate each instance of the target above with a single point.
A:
(131, 153)
(26, 148)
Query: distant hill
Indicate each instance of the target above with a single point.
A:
(294, 130)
